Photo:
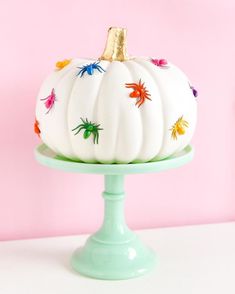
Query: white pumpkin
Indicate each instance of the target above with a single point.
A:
(127, 131)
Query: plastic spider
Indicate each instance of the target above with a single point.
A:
(195, 92)
(61, 64)
(36, 128)
(90, 128)
(179, 128)
(140, 92)
(89, 68)
(50, 100)
(160, 62)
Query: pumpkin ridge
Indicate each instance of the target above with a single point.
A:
(67, 115)
(95, 108)
(126, 63)
(118, 128)
(142, 62)
(68, 72)
(143, 68)
(63, 74)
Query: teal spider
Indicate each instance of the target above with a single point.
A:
(89, 68)
(90, 128)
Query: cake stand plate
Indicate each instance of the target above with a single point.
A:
(114, 252)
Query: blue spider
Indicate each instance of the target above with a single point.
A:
(89, 68)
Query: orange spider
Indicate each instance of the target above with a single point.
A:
(61, 64)
(140, 92)
(179, 128)
(36, 128)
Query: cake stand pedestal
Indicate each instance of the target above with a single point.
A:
(114, 252)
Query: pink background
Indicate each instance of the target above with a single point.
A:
(196, 35)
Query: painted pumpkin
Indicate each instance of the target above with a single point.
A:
(116, 109)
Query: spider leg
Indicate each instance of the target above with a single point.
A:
(130, 85)
(173, 134)
(81, 72)
(48, 110)
(98, 127)
(141, 84)
(82, 120)
(79, 130)
(50, 107)
(45, 98)
(84, 70)
(81, 125)
(100, 69)
(81, 69)
(94, 138)
(97, 137)
(141, 101)
(185, 123)
(96, 63)
(137, 102)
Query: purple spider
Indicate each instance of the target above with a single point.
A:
(49, 100)
(195, 92)
(89, 68)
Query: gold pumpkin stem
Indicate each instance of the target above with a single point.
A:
(115, 48)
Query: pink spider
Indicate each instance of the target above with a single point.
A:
(50, 100)
(160, 62)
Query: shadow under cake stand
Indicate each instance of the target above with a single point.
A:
(114, 252)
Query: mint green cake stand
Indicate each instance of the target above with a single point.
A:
(114, 252)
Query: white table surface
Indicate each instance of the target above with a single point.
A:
(191, 259)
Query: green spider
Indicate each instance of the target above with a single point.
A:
(90, 128)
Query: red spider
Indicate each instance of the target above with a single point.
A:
(50, 100)
(140, 92)
(36, 128)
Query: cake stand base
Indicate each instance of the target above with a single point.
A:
(114, 252)
(113, 261)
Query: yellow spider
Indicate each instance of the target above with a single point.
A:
(179, 128)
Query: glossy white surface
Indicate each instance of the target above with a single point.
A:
(129, 133)
(191, 260)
